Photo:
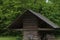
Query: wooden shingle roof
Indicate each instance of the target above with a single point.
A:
(39, 16)
(45, 19)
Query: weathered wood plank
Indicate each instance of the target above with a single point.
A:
(41, 29)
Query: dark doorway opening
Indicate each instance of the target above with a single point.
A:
(43, 35)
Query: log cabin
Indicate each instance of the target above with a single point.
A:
(34, 26)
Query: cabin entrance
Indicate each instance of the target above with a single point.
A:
(35, 35)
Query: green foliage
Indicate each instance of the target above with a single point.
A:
(10, 9)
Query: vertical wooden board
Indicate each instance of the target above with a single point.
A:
(50, 37)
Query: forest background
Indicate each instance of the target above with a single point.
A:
(11, 9)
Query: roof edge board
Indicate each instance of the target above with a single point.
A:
(45, 19)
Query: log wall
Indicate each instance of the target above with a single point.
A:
(30, 22)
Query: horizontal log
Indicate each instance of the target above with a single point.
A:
(39, 29)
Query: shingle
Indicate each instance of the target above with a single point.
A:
(45, 19)
(40, 16)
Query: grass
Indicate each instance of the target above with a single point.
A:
(58, 38)
(14, 38)
(7, 38)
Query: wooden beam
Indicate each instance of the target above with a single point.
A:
(39, 29)
(45, 29)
